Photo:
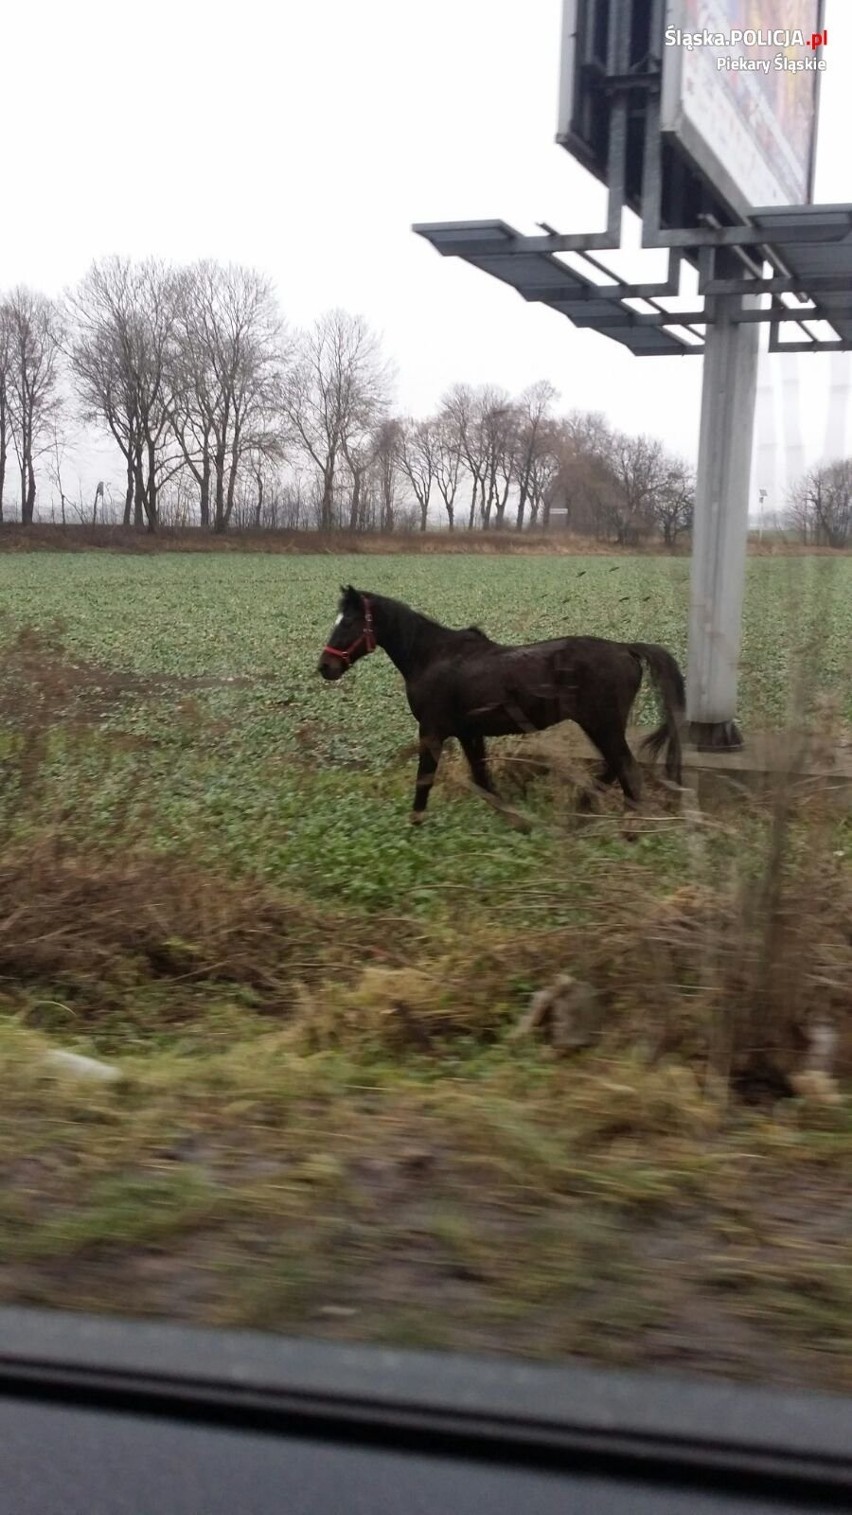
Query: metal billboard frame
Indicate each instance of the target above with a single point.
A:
(610, 88)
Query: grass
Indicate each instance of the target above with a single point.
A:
(323, 1124)
(598, 1209)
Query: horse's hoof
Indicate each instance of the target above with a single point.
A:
(588, 803)
(520, 823)
(417, 817)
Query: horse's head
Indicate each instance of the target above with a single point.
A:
(352, 635)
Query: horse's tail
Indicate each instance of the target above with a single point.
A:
(668, 682)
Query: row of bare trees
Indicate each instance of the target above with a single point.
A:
(186, 370)
(223, 415)
(496, 454)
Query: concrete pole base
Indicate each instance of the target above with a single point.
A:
(715, 736)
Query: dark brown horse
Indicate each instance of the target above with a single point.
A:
(461, 684)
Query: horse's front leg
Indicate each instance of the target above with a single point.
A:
(427, 767)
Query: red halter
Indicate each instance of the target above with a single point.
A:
(368, 636)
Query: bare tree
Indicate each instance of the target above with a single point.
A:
(418, 458)
(121, 353)
(498, 427)
(821, 505)
(480, 421)
(225, 378)
(157, 293)
(359, 456)
(55, 473)
(584, 485)
(193, 394)
(101, 310)
(609, 481)
(34, 404)
(673, 505)
(834, 514)
(618, 486)
(5, 391)
(533, 441)
(177, 505)
(386, 471)
(461, 412)
(267, 500)
(337, 393)
(448, 462)
(639, 466)
(543, 474)
(797, 515)
(263, 468)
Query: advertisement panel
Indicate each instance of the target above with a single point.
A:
(740, 95)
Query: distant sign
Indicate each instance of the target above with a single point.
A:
(740, 95)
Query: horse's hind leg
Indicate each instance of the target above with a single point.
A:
(618, 760)
(606, 775)
(473, 748)
(427, 767)
(602, 778)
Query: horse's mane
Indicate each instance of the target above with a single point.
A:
(399, 609)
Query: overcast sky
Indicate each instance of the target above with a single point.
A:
(306, 138)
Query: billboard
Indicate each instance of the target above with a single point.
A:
(743, 108)
(567, 67)
(575, 130)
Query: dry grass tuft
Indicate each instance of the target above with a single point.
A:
(397, 1010)
(92, 926)
(738, 973)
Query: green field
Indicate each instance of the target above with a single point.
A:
(303, 781)
(207, 876)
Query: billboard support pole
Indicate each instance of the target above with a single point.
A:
(720, 530)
